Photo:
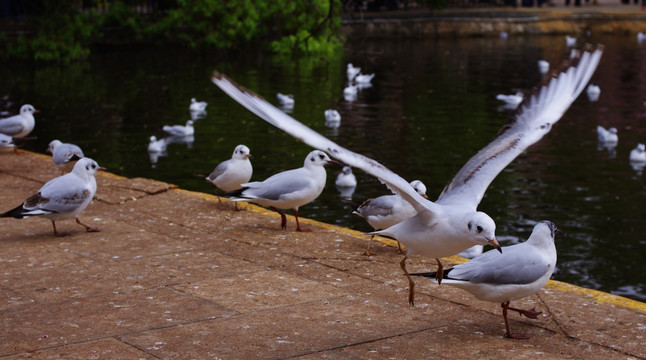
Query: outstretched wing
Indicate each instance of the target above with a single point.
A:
(534, 120)
(279, 119)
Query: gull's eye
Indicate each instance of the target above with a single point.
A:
(321, 157)
(479, 228)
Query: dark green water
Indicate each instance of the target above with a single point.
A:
(431, 107)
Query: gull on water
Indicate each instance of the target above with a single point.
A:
(452, 223)
(63, 197)
(197, 106)
(352, 71)
(638, 154)
(593, 92)
(180, 130)
(346, 178)
(289, 189)
(608, 137)
(570, 41)
(363, 78)
(157, 146)
(230, 174)
(519, 271)
(543, 66)
(332, 118)
(285, 100)
(20, 125)
(64, 155)
(512, 101)
(387, 210)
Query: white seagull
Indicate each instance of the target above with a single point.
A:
(593, 91)
(180, 130)
(352, 71)
(607, 137)
(346, 178)
(230, 174)
(387, 210)
(157, 146)
(543, 66)
(332, 118)
(285, 100)
(452, 223)
(6, 141)
(64, 155)
(511, 101)
(20, 125)
(638, 154)
(570, 41)
(521, 270)
(364, 78)
(288, 189)
(63, 197)
(197, 106)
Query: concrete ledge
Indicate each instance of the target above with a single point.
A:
(180, 274)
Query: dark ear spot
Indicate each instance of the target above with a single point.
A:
(470, 226)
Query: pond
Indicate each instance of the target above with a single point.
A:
(431, 106)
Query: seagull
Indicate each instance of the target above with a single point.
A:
(230, 174)
(285, 100)
(332, 118)
(20, 125)
(289, 189)
(641, 37)
(543, 66)
(180, 130)
(364, 78)
(452, 223)
(156, 146)
(6, 141)
(346, 178)
(638, 154)
(350, 92)
(570, 41)
(607, 137)
(511, 101)
(197, 106)
(352, 71)
(521, 270)
(387, 210)
(64, 155)
(63, 197)
(593, 91)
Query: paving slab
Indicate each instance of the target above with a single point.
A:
(179, 274)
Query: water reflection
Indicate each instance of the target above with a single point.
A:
(430, 107)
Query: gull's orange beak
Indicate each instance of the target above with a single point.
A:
(494, 243)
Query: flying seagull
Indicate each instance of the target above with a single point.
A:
(452, 223)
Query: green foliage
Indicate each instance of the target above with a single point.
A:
(64, 33)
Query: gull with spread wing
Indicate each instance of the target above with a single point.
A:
(452, 223)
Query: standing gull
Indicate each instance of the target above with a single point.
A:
(387, 210)
(452, 223)
(20, 125)
(289, 189)
(230, 174)
(521, 270)
(64, 155)
(63, 197)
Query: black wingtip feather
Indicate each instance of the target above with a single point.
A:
(16, 213)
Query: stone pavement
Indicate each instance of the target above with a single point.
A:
(177, 274)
